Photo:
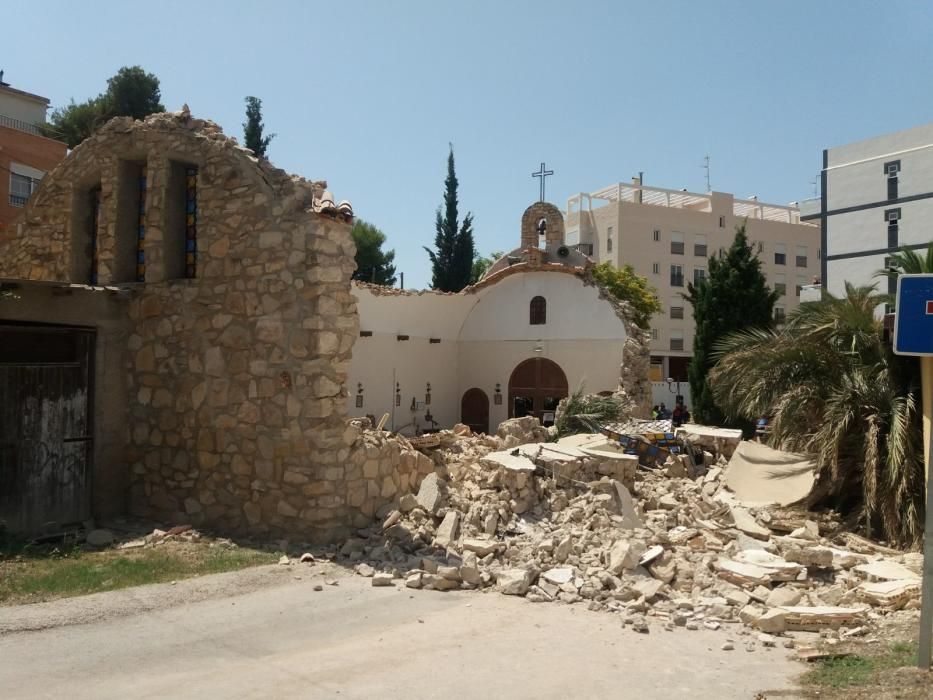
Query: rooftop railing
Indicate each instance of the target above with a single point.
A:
(19, 124)
(682, 199)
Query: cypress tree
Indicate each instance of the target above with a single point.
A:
(452, 259)
(735, 296)
(253, 128)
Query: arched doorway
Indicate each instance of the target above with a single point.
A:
(535, 388)
(474, 410)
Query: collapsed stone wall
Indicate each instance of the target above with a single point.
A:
(634, 378)
(235, 403)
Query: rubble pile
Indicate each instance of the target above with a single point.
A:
(572, 522)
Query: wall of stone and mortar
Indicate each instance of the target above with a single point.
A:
(234, 379)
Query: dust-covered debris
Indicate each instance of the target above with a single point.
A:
(574, 522)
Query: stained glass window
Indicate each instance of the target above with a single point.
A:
(191, 222)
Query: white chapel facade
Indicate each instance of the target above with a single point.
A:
(529, 333)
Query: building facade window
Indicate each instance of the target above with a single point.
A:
(657, 234)
(801, 259)
(780, 254)
(699, 275)
(677, 340)
(780, 285)
(677, 275)
(191, 222)
(538, 311)
(656, 268)
(655, 334)
(677, 311)
(892, 216)
(722, 222)
(22, 184)
(677, 243)
(779, 315)
(699, 245)
(891, 170)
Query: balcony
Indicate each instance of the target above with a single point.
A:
(19, 125)
(585, 248)
(17, 200)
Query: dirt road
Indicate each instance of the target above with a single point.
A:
(263, 634)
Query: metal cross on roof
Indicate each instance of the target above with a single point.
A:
(542, 173)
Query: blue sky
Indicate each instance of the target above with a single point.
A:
(367, 95)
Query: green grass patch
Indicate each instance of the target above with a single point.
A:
(58, 574)
(856, 670)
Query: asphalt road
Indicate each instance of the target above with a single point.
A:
(280, 638)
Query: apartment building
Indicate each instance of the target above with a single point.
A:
(25, 155)
(668, 237)
(876, 197)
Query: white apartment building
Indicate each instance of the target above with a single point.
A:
(876, 198)
(668, 235)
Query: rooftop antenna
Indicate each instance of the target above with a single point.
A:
(706, 165)
(1, 78)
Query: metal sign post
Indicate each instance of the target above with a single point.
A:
(913, 335)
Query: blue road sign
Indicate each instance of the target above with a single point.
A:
(913, 316)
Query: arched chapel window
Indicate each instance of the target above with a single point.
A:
(538, 311)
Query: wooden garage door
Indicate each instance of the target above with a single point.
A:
(45, 428)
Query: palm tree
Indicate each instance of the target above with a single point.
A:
(834, 390)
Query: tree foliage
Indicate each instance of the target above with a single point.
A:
(627, 285)
(481, 264)
(833, 388)
(372, 264)
(734, 296)
(253, 128)
(131, 92)
(586, 413)
(452, 258)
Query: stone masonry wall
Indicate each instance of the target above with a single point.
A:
(235, 404)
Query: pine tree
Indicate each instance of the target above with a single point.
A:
(372, 264)
(733, 297)
(253, 127)
(452, 259)
(131, 92)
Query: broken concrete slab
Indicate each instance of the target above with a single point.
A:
(449, 529)
(624, 554)
(745, 522)
(760, 475)
(481, 546)
(558, 576)
(805, 618)
(430, 494)
(513, 581)
(883, 570)
(382, 579)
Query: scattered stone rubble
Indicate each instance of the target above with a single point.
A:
(556, 522)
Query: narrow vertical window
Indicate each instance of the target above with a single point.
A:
(141, 228)
(93, 231)
(538, 311)
(891, 170)
(191, 222)
(892, 216)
